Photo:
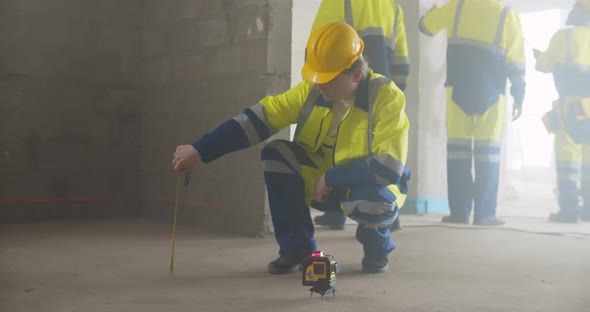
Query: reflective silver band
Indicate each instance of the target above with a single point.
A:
(487, 157)
(310, 101)
(374, 87)
(459, 155)
(478, 44)
(460, 142)
(500, 27)
(275, 166)
(457, 18)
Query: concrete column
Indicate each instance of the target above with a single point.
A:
(425, 107)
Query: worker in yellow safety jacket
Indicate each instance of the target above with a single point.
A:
(485, 47)
(349, 150)
(380, 23)
(568, 59)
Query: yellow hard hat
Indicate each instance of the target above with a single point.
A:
(585, 3)
(330, 50)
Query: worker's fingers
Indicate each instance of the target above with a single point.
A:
(321, 198)
(185, 157)
(321, 190)
(179, 167)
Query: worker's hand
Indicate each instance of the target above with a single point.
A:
(185, 157)
(322, 191)
(536, 53)
(516, 111)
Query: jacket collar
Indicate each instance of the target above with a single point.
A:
(362, 95)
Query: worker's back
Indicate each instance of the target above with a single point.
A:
(485, 46)
(475, 20)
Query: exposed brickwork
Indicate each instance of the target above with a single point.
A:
(206, 62)
(69, 98)
(95, 95)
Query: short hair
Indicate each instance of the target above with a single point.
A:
(360, 64)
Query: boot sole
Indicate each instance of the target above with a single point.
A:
(294, 269)
(376, 270)
(488, 224)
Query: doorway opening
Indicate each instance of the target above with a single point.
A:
(529, 161)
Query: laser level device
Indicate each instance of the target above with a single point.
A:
(319, 272)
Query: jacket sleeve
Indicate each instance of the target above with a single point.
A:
(515, 56)
(256, 124)
(438, 19)
(390, 147)
(329, 11)
(547, 60)
(400, 69)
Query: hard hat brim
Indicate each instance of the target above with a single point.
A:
(317, 77)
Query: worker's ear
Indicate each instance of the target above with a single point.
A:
(358, 76)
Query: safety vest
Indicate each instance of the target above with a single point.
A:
(374, 129)
(354, 140)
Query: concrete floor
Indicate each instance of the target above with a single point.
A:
(122, 265)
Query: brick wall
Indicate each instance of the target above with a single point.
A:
(69, 95)
(206, 61)
(95, 95)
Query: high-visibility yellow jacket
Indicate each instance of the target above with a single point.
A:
(380, 23)
(568, 59)
(372, 141)
(485, 46)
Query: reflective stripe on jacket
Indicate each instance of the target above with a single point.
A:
(371, 144)
(568, 58)
(485, 46)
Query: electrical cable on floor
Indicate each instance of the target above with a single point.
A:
(497, 229)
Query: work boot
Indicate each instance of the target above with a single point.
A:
(375, 264)
(334, 221)
(493, 221)
(563, 217)
(285, 265)
(453, 219)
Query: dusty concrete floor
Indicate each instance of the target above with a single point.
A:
(122, 265)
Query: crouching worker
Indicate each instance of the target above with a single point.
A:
(348, 153)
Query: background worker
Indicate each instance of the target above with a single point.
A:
(380, 23)
(485, 47)
(568, 59)
(349, 149)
